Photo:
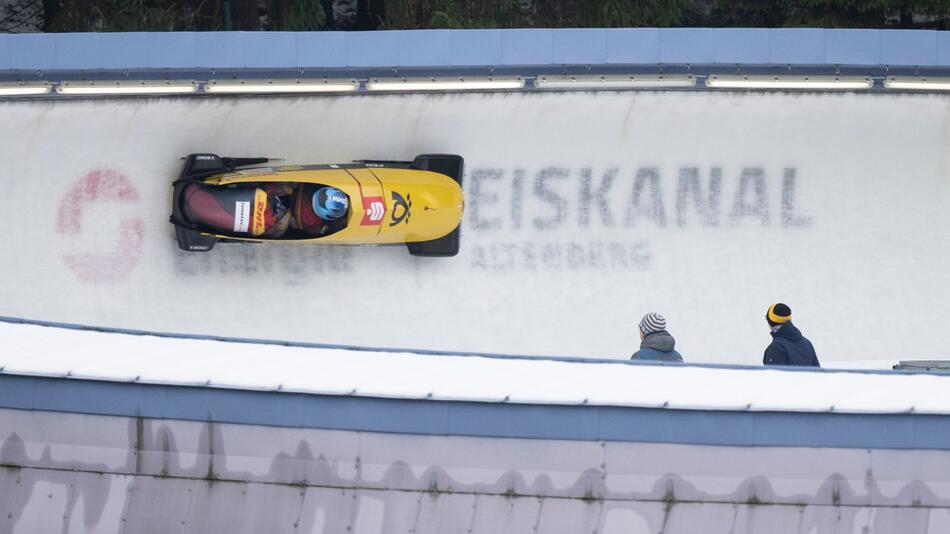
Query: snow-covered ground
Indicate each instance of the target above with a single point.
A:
(58, 352)
(583, 212)
(540, 446)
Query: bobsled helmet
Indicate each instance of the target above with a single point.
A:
(330, 203)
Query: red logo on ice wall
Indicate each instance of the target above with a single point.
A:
(374, 209)
(99, 262)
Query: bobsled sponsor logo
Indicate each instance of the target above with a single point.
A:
(292, 267)
(105, 248)
(525, 215)
(530, 255)
(242, 216)
(555, 198)
(374, 210)
(401, 207)
(260, 203)
(258, 171)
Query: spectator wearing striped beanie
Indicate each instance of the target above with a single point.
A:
(656, 344)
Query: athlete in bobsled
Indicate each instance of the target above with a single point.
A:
(317, 206)
(269, 209)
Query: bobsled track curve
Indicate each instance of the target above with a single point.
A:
(583, 211)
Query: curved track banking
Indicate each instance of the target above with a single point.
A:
(584, 211)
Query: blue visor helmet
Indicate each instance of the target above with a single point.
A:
(329, 203)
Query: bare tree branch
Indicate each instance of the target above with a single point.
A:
(21, 14)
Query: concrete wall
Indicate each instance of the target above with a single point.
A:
(76, 473)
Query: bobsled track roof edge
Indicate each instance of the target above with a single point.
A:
(94, 373)
(475, 48)
(67, 369)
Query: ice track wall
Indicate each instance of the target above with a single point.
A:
(85, 473)
(583, 212)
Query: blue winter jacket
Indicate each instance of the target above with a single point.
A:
(790, 347)
(658, 347)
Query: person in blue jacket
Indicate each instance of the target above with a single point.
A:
(789, 346)
(656, 344)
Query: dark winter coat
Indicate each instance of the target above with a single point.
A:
(658, 347)
(790, 347)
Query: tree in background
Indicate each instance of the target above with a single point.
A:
(295, 15)
(20, 16)
(616, 13)
(202, 15)
(538, 13)
(180, 15)
(933, 14)
(454, 14)
(758, 13)
(112, 15)
(405, 14)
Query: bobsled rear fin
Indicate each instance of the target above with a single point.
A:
(199, 166)
(193, 240)
(234, 163)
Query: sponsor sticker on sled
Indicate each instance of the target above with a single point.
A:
(374, 209)
(256, 172)
(242, 216)
(260, 204)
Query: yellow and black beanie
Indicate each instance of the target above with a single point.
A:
(778, 313)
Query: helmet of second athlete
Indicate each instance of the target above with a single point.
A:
(329, 203)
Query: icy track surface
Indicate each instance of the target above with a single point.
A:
(583, 212)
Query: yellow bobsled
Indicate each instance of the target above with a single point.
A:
(418, 203)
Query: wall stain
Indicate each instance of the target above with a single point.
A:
(302, 487)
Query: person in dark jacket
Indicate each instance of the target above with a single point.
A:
(789, 346)
(656, 344)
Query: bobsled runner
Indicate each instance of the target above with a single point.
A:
(370, 202)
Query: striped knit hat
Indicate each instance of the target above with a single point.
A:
(652, 322)
(778, 313)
